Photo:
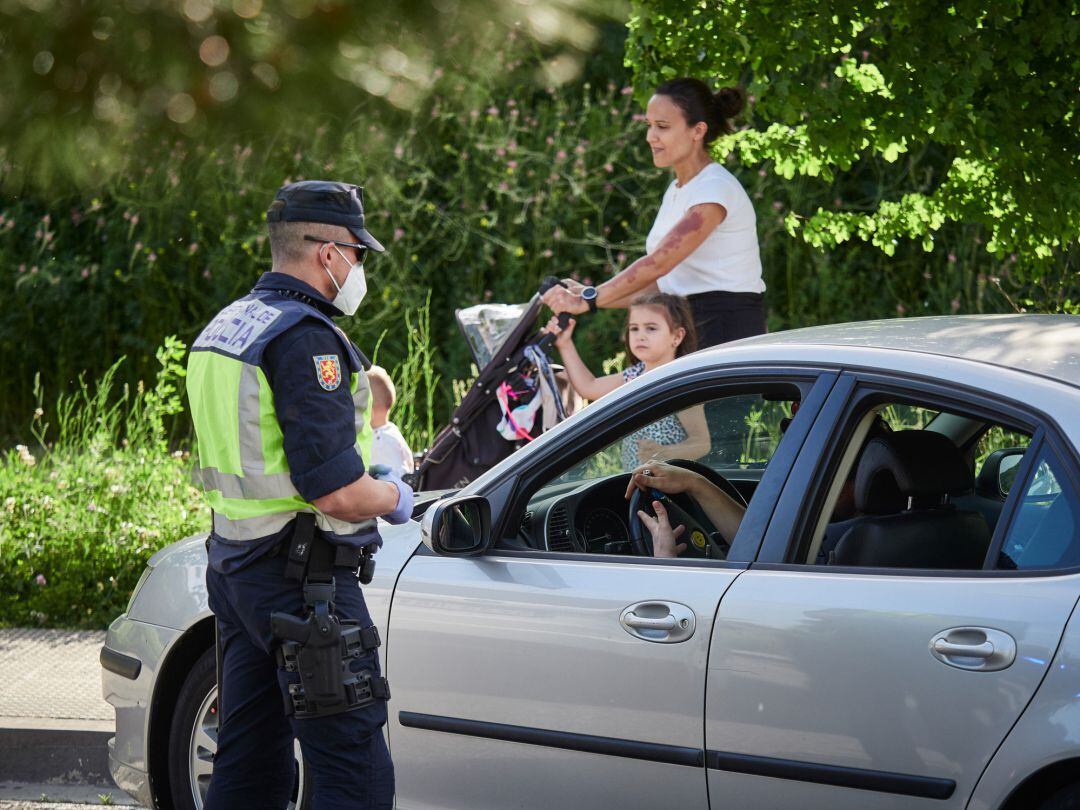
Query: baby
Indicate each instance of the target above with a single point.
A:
(389, 446)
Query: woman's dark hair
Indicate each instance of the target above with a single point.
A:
(699, 103)
(676, 310)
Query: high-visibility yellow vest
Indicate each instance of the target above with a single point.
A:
(241, 461)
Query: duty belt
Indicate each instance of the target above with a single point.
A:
(316, 556)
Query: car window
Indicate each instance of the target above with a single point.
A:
(726, 440)
(996, 439)
(1044, 531)
(905, 495)
(740, 432)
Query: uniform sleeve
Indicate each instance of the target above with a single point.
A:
(309, 376)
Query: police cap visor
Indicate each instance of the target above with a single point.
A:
(324, 201)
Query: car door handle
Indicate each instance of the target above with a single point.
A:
(667, 623)
(984, 650)
(662, 622)
(980, 649)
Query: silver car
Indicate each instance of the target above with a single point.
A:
(892, 625)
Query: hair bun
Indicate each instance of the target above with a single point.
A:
(729, 101)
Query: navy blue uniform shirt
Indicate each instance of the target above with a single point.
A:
(318, 426)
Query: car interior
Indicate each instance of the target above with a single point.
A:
(585, 508)
(924, 489)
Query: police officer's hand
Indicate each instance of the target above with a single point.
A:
(403, 511)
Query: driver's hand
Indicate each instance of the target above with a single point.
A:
(666, 478)
(663, 536)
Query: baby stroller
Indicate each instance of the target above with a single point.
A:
(515, 398)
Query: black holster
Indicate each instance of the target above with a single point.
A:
(320, 647)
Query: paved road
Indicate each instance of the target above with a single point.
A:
(22, 796)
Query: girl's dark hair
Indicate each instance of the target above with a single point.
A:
(677, 311)
(699, 103)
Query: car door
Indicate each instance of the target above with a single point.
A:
(548, 679)
(850, 687)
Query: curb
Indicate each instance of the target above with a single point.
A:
(55, 751)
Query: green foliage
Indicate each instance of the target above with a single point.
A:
(479, 194)
(82, 510)
(81, 76)
(966, 109)
(416, 380)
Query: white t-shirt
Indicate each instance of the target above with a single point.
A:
(729, 258)
(388, 447)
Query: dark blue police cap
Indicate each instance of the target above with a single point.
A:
(323, 201)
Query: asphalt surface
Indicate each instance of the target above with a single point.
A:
(54, 724)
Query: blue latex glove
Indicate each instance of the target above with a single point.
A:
(403, 512)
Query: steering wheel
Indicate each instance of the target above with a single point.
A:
(701, 536)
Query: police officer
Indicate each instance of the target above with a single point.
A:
(281, 407)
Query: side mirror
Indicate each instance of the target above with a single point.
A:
(457, 526)
(998, 473)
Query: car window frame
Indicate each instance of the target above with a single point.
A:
(813, 472)
(1013, 505)
(815, 381)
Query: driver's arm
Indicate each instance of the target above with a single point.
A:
(724, 512)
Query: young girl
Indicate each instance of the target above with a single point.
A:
(659, 328)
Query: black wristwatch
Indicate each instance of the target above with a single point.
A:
(588, 295)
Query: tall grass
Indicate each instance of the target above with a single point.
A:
(88, 501)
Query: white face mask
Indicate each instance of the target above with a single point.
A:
(352, 292)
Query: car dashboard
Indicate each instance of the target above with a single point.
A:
(588, 517)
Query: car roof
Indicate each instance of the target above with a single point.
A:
(1047, 345)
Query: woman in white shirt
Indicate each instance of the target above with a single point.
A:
(703, 243)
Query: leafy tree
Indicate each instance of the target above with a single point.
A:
(81, 77)
(964, 110)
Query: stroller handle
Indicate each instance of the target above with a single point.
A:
(548, 283)
(548, 338)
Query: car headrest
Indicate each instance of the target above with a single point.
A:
(904, 464)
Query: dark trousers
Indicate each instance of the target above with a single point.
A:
(721, 316)
(345, 753)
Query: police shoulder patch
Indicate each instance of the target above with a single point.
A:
(327, 370)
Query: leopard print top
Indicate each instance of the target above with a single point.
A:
(668, 430)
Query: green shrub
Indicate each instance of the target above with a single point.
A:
(81, 513)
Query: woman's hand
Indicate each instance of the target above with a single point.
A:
(560, 299)
(666, 478)
(563, 337)
(573, 285)
(663, 536)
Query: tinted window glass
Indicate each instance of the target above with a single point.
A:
(905, 494)
(1044, 532)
